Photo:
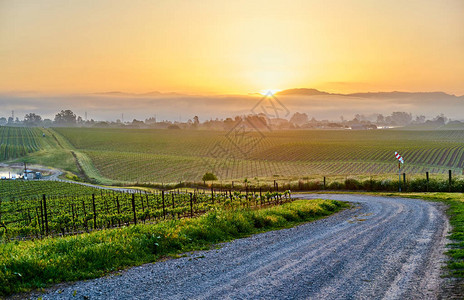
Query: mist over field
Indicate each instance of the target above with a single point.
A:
(110, 106)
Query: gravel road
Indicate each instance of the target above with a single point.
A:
(390, 248)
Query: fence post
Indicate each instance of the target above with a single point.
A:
(133, 209)
(449, 180)
(404, 181)
(427, 183)
(212, 193)
(191, 205)
(94, 212)
(42, 216)
(260, 196)
(164, 207)
(324, 182)
(45, 213)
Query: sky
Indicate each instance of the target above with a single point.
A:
(57, 47)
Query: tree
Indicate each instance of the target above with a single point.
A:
(196, 122)
(32, 119)
(65, 117)
(380, 119)
(401, 118)
(299, 119)
(208, 177)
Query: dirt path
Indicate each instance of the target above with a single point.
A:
(55, 174)
(389, 248)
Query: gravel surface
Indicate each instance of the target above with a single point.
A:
(389, 248)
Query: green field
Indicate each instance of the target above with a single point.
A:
(145, 155)
(126, 156)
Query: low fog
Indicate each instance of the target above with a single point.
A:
(175, 107)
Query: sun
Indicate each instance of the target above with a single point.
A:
(268, 92)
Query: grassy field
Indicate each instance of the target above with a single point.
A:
(35, 264)
(147, 155)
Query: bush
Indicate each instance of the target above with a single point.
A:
(352, 184)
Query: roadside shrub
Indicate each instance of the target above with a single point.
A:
(336, 185)
(352, 184)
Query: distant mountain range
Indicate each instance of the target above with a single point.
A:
(394, 94)
(149, 94)
(304, 92)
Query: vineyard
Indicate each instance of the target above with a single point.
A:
(23, 189)
(144, 156)
(70, 208)
(147, 155)
(17, 142)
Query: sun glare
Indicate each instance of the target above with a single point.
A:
(268, 92)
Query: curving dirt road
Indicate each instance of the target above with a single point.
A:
(389, 248)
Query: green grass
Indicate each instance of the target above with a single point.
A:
(27, 265)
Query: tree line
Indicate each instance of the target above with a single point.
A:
(252, 121)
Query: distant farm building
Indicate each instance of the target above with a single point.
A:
(29, 175)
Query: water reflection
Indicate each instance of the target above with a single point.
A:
(8, 173)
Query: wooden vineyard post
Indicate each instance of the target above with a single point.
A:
(94, 212)
(164, 207)
(133, 209)
(449, 180)
(324, 182)
(404, 181)
(212, 194)
(191, 205)
(427, 183)
(45, 213)
(260, 196)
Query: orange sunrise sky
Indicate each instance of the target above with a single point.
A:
(231, 47)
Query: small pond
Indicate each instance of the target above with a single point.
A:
(6, 173)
